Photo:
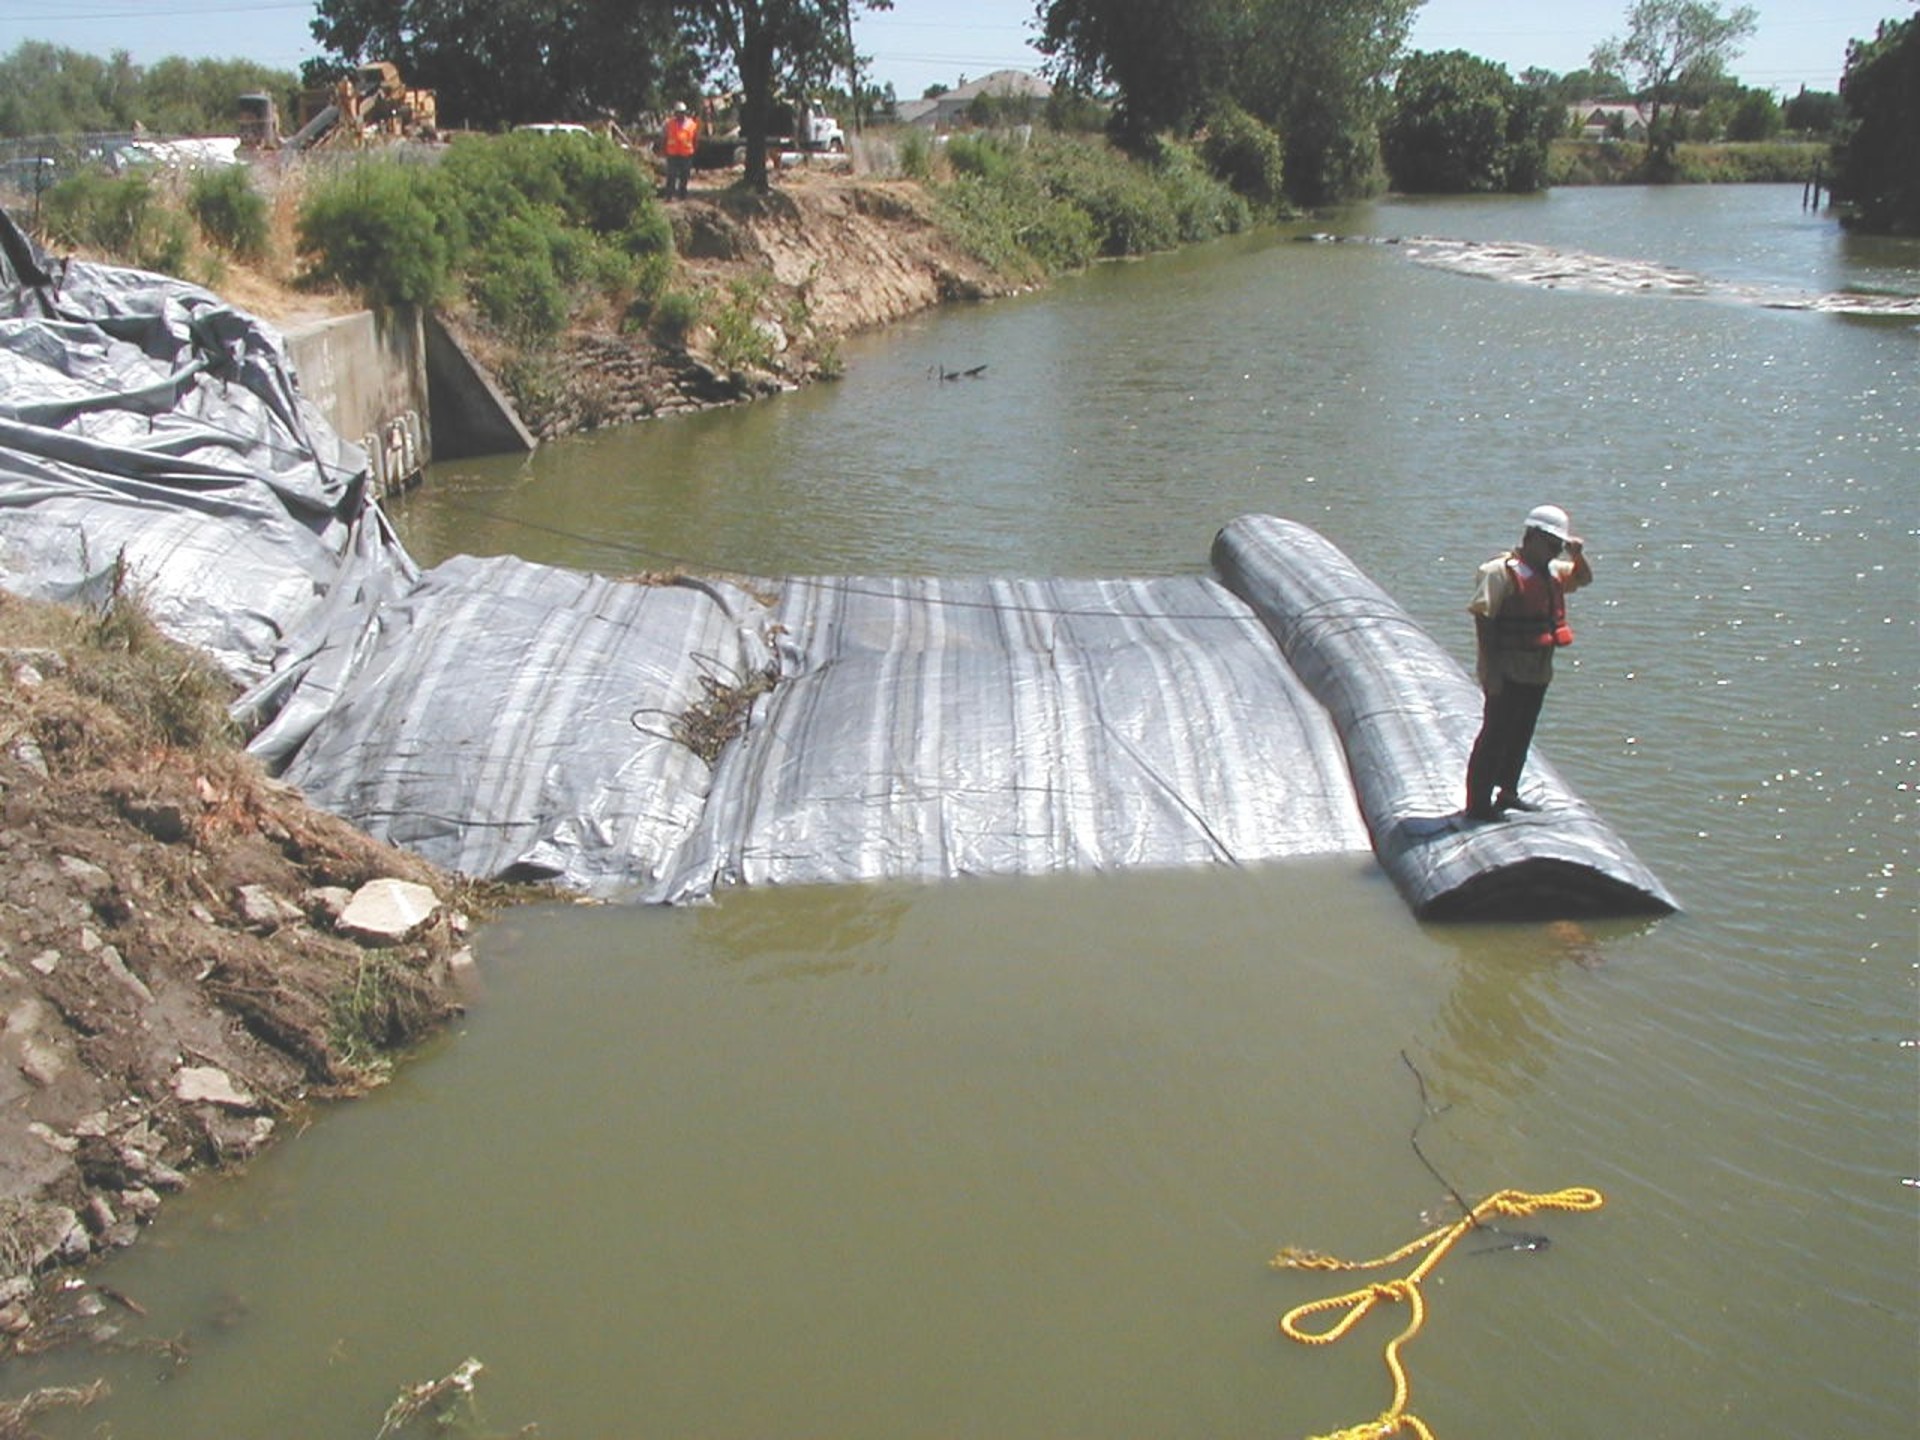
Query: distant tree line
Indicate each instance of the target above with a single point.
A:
(1307, 101)
(48, 90)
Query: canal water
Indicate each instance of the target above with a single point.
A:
(1008, 1159)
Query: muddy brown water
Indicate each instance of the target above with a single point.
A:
(1008, 1159)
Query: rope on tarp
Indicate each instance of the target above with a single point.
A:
(1406, 1290)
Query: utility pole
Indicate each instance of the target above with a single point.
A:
(853, 66)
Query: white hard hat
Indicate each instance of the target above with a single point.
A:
(679, 107)
(1551, 519)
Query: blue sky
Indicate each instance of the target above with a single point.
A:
(924, 42)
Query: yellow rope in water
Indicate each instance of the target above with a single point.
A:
(1357, 1303)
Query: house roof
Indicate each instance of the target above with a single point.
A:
(949, 104)
(1003, 82)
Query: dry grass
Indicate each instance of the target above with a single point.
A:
(150, 689)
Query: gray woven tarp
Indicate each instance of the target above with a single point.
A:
(517, 720)
(935, 728)
(152, 436)
(1408, 715)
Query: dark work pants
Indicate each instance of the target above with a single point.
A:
(679, 168)
(1500, 752)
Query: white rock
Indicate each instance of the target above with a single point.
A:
(84, 871)
(46, 1134)
(209, 1085)
(109, 957)
(264, 910)
(389, 909)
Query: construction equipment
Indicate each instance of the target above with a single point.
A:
(259, 125)
(368, 107)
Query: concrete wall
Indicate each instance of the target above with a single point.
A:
(365, 371)
(398, 384)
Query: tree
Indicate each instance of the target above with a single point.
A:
(1314, 71)
(1671, 43)
(1165, 60)
(1317, 71)
(498, 62)
(1756, 116)
(771, 45)
(1448, 132)
(1812, 113)
(47, 90)
(1460, 123)
(1875, 175)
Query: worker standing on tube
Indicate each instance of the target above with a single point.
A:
(1519, 612)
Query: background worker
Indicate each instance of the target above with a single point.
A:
(682, 134)
(1519, 611)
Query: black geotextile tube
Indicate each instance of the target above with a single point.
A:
(1407, 715)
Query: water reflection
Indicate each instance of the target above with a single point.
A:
(812, 932)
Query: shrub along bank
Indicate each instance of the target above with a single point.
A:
(1037, 208)
(1609, 162)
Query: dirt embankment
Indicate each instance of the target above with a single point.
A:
(190, 956)
(823, 256)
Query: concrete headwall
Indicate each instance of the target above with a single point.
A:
(368, 374)
(398, 384)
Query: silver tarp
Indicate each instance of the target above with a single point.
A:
(152, 437)
(664, 740)
(926, 727)
(514, 720)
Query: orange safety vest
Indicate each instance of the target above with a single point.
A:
(681, 132)
(1534, 616)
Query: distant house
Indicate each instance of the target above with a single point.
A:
(1596, 120)
(945, 111)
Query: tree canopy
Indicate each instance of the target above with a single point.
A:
(1877, 178)
(499, 62)
(1313, 71)
(1461, 123)
(496, 62)
(1671, 44)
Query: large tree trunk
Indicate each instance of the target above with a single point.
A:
(756, 87)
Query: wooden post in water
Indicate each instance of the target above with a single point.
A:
(1810, 192)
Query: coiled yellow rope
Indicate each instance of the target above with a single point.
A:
(1357, 1303)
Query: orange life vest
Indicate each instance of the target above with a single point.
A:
(1534, 615)
(681, 130)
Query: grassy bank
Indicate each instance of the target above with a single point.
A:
(1604, 162)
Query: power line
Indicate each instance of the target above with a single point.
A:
(183, 13)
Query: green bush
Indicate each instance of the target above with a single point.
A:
(675, 313)
(1131, 214)
(739, 341)
(1203, 206)
(385, 230)
(916, 156)
(121, 216)
(1017, 228)
(1064, 201)
(980, 155)
(229, 211)
(1588, 162)
(530, 227)
(516, 284)
(1247, 154)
